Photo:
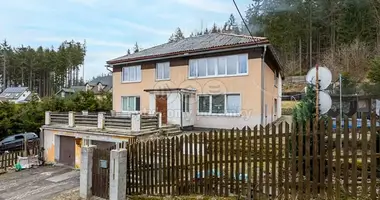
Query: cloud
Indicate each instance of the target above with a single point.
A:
(140, 27)
(210, 5)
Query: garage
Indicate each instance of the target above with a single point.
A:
(67, 151)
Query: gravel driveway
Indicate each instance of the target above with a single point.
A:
(42, 183)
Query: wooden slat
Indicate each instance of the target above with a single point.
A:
(281, 158)
(346, 150)
(177, 168)
(274, 162)
(267, 161)
(144, 164)
(249, 169)
(232, 155)
(364, 153)
(294, 161)
(186, 156)
(255, 160)
(196, 163)
(261, 163)
(153, 168)
(191, 162)
(181, 165)
(354, 176)
(204, 160)
(287, 159)
(373, 156)
(307, 160)
(338, 152)
(329, 160)
(243, 161)
(216, 183)
(173, 172)
(220, 162)
(226, 160)
(300, 146)
(322, 163)
(139, 168)
(236, 163)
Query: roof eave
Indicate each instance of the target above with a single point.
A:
(187, 53)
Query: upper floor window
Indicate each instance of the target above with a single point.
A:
(131, 74)
(163, 71)
(219, 66)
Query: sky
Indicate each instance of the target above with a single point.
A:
(109, 27)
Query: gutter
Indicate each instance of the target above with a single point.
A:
(263, 84)
(188, 54)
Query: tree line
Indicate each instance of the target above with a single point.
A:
(29, 117)
(43, 70)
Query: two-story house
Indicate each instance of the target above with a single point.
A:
(211, 81)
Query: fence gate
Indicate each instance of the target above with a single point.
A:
(100, 173)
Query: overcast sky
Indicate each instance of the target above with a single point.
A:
(109, 27)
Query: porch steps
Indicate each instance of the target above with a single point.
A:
(170, 130)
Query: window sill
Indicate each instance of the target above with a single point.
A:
(158, 80)
(219, 76)
(220, 115)
(126, 82)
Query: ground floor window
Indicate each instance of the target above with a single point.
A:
(219, 104)
(130, 103)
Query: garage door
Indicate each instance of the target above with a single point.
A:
(67, 151)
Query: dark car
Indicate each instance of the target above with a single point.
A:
(16, 142)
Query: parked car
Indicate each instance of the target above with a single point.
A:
(16, 142)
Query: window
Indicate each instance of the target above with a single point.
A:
(204, 104)
(163, 71)
(19, 137)
(219, 66)
(131, 74)
(219, 104)
(186, 103)
(130, 104)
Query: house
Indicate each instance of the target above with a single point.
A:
(17, 94)
(216, 80)
(98, 86)
(65, 92)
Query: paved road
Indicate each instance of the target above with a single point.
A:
(37, 184)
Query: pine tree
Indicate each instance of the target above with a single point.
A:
(214, 28)
(206, 31)
(136, 48)
(177, 36)
(129, 52)
(191, 34)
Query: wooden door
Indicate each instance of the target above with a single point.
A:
(67, 151)
(162, 107)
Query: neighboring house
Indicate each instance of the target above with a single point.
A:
(65, 92)
(211, 81)
(100, 85)
(17, 94)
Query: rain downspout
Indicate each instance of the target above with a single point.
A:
(263, 84)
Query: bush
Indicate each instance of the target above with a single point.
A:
(287, 111)
(29, 117)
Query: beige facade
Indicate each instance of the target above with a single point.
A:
(248, 86)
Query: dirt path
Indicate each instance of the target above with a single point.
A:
(43, 183)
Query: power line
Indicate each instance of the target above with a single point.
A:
(241, 16)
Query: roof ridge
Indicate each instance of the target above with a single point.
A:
(244, 36)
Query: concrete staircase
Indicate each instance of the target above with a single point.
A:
(170, 130)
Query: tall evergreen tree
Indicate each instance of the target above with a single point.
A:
(214, 28)
(136, 48)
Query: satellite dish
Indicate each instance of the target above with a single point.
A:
(324, 74)
(325, 102)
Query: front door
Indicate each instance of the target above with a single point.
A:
(162, 107)
(67, 151)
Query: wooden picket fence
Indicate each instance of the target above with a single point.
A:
(9, 159)
(264, 162)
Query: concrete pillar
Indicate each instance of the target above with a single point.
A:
(118, 174)
(71, 119)
(113, 113)
(159, 115)
(135, 122)
(86, 171)
(47, 118)
(84, 112)
(101, 120)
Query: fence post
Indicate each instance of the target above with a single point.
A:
(159, 115)
(47, 117)
(101, 120)
(71, 119)
(135, 122)
(86, 171)
(118, 174)
(113, 113)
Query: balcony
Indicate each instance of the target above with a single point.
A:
(106, 122)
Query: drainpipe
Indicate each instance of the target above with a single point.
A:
(263, 84)
(181, 99)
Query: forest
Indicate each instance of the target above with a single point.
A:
(43, 70)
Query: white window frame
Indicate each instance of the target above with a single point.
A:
(138, 79)
(225, 113)
(217, 67)
(166, 64)
(135, 109)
